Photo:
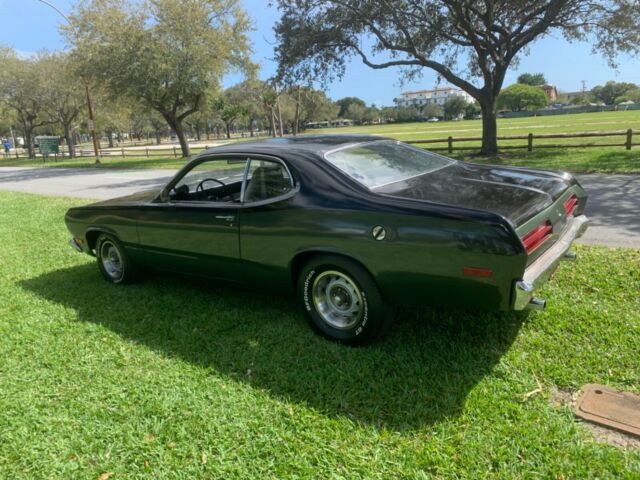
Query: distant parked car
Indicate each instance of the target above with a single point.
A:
(350, 224)
(433, 119)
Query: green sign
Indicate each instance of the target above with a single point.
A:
(49, 145)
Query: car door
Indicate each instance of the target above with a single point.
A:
(195, 227)
(268, 223)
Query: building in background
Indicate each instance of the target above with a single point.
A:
(420, 98)
(567, 97)
(550, 91)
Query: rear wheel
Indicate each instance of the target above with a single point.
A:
(342, 301)
(113, 261)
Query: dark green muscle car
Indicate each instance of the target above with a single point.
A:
(352, 225)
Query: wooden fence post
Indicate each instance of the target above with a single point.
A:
(174, 152)
(122, 152)
(629, 138)
(450, 144)
(530, 142)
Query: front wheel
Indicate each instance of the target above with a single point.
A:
(113, 261)
(342, 301)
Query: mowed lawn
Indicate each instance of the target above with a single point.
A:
(180, 378)
(592, 159)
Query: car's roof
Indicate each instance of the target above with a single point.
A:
(318, 144)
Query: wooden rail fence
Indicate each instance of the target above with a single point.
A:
(529, 145)
(174, 151)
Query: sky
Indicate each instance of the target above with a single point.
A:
(30, 26)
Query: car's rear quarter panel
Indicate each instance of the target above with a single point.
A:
(420, 262)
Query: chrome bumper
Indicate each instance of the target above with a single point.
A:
(543, 267)
(76, 246)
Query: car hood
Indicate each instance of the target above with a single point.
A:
(515, 193)
(139, 198)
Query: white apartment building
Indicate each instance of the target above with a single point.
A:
(419, 98)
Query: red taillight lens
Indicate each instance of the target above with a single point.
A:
(537, 236)
(570, 205)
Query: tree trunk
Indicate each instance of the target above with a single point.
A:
(279, 111)
(272, 124)
(228, 129)
(177, 127)
(110, 137)
(158, 138)
(296, 116)
(184, 145)
(251, 127)
(197, 129)
(489, 127)
(28, 132)
(68, 137)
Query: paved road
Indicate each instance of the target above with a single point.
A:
(89, 183)
(614, 200)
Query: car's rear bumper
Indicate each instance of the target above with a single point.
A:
(539, 271)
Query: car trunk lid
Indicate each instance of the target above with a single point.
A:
(515, 193)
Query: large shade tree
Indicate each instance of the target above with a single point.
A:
(469, 43)
(22, 90)
(64, 94)
(167, 54)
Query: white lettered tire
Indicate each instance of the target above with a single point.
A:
(342, 301)
(113, 261)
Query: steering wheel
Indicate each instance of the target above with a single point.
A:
(200, 187)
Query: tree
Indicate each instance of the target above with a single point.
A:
(346, 102)
(471, 110)
(519, 97)
(167, 54)
(611, 90)
(63, 94)
(432, 110)
(229, 107)
(22, 90)
(311, 106)
(112, 115)
(407, 114)
(533, 79)
(632, 94)
(470, 44)
(357, 113)
(454, 107)
(389, 114)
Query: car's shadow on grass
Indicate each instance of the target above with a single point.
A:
(419, 374)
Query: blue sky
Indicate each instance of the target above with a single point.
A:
(29, 26)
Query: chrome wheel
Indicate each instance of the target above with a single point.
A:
(111, 260)
(337, 299)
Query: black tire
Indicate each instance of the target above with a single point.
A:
(113, 261)
(339, 283)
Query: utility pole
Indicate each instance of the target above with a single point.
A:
(90, 123)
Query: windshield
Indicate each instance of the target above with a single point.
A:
(381, 163)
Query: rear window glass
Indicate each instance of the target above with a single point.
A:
(382, 163)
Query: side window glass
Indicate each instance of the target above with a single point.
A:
(266, 179)
(215, 180)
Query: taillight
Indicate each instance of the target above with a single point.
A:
(570, 205)
(537, 236)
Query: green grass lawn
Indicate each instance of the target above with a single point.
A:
(598, 159)
(178, 378)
